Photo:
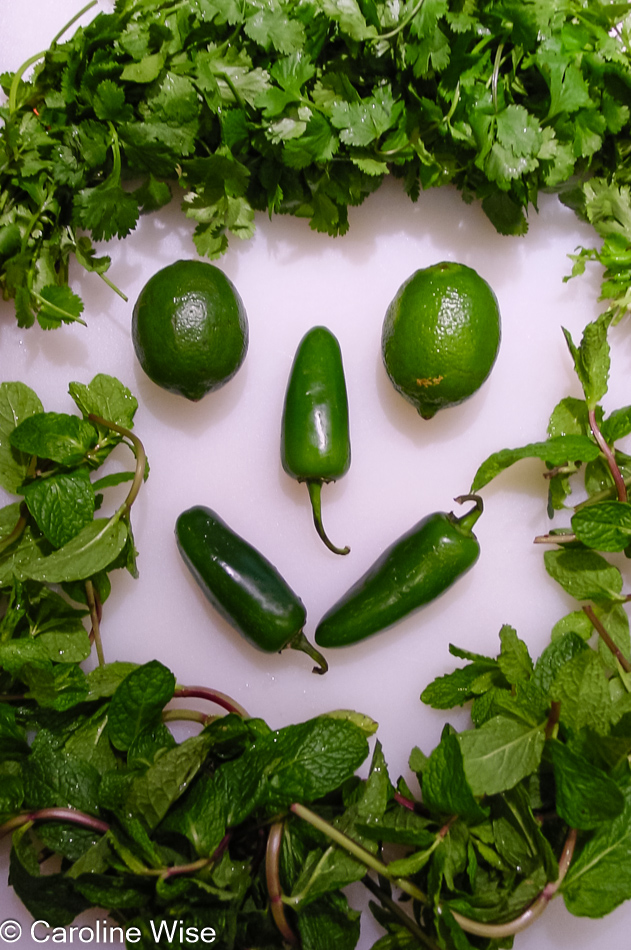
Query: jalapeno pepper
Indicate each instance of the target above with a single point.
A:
(242, 585)
(413, 571)
(315, 445)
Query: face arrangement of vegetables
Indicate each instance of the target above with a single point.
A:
(248, 831)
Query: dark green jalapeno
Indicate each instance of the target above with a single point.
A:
(242, 585)
(413, 571)
(315, 445)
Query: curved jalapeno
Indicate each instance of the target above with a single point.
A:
(413, 571)
(242, 585)
(315, 446)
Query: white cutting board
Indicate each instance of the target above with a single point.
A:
(224, 452)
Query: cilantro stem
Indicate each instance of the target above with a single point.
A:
(606, 638)
(54, 814)
(619, 481)
(95, 616)
(13, 92)
(356, 850)
(274, 889)
(141, 461)
(233, 89)
(112, 286)
(402, 25)
(496, 73)
(63, 314)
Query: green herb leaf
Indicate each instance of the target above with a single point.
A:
(61, 505)
(96, 546)
(138, 702)
(500, 753)
(556, 451)
(106, 397)
(17, 402)
(599, 879)
(585, 575)
(585, 795)
(56, 436)
(592, 359)
(445, 787)
(605, 526)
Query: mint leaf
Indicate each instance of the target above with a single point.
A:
(457, 688)
(107, 397)
(298, 763)
(17, 402)
(599, 878)
(93, 549)
(514, 660)
(138, 702)
(152, 793)
(56, 436)
(61, 505)
(605, 526)
(585, 795)
(445, 787)
(582, 689)
(592, 359)
(585, 575)
(500, 754)
(558, 450)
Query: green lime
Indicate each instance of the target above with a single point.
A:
(441, 336)
(190, 328)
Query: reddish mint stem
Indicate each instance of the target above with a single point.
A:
(213, 696)
(621, 488)
(605, 637)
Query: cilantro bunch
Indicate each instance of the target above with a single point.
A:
(303, 109)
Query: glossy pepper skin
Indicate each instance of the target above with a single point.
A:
(315, 443)
(413, 571)
(242, 585)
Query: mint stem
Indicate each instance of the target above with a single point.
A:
(54, 814)
(356, 850)
(536, 909)
(141, 460)
(213, 696)
(619, 481)
(274, 889)
(95, 616)
(399, 913)
(605, 637)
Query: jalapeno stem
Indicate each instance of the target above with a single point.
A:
(300, 642)
(467, 521)
(314, 485)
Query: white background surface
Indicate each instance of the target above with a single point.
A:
(224, 452)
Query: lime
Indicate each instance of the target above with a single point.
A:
(440, 337)
(190, 328)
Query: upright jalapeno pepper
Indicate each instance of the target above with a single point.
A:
(413, 571)
(315, 446)
(242, 585)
